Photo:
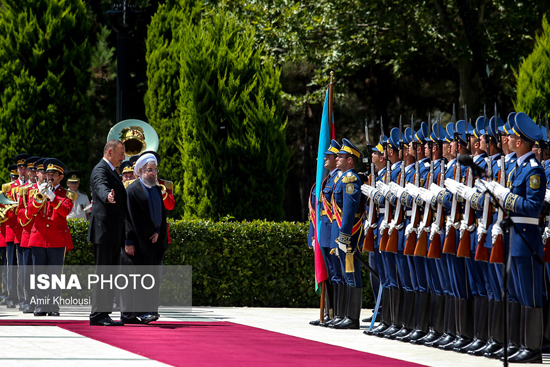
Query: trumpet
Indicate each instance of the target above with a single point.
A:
(6, 205)
(39, 196)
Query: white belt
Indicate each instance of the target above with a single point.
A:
(382, 210)
(525, 220)
(409, 213)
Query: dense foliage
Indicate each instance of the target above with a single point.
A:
(235, 263)
(533, 77)
(44, 76)
(232, 131)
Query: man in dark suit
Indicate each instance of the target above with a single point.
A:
(106, 229)
(146, 239)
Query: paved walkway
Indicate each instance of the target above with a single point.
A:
(49, 345)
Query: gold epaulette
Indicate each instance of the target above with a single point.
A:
(72, 195)
(128, 183)
(23, 190)
(6, 188)
(168, 184)
(348, 179)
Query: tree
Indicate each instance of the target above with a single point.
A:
(232, 143)
(163, 78)
(533, 77)
(44, 76)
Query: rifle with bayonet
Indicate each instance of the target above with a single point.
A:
(482, 252)
(435, 238)
(468, 221)
(426, 224)
(368, 242)
(453, 221)
(398, 217)
(387, 205)
(410, 243)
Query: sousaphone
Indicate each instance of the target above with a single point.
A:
(136, 135)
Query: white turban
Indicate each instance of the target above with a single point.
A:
(143, 160)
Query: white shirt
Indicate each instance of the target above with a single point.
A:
(81, 202)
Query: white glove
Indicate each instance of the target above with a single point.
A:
(481, 230)
(480, 185)
(465, 191)
(382, 188)
(448, 225)
(49, 194)
(547, 196)
(436, 189)
(545, 235)
(426, 195)
(412, 190)
(366, 226)
(391, 226)
(498, 190)
(496, 231)
(368, 190)
(42, 186)
(396, 188)
(433, 230)
(383, 225)
(463, 227)
(452, 185)
(408, 230)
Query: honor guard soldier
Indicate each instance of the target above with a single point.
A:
(25, 257)
(14, 175)
(14, 231)
(50, 238)
(82, 202)
(380, 164)
(348, 208)
(523, 198)
(335, 286)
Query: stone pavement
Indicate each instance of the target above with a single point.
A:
(49, 345)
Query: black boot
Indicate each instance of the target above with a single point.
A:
(327, 306)
(481, 328)
(465, 323)
(532, 331)
(437, 317)
(355, 302)
(496, 331)
(396, 321)
(515, 317)
(407, 316)
(386, 314)
(448, 324)
(422, 311)
(339, 297)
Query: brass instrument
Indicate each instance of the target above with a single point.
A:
(7, 205)
(39, 196)
(136, 135)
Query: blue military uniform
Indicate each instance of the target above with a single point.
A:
(348, 207)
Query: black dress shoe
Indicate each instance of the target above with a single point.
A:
(443, 340)
(53, 313)
(131, 320)
(472, 347)
(148, 318)
(332, 321)
(378, 329)
(414, 335)
(459, 342)
(369, 319)
(40, 312)
(346, 323)
(28, 309)
(315, 322)
(525, 355)
(106, 321)
(10, 304)
(489, 348)
(401, 333)
(428, 338)
(389, 331)
(512, 349)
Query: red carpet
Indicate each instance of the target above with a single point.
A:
(219, 344)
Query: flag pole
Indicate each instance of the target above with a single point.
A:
(330, 99)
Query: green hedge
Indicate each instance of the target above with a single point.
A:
(258, 263)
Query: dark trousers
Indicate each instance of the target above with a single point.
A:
(11, 250)
(137, 303)
(107, 257)
(3, 264)
(47, 261)
(27, 266)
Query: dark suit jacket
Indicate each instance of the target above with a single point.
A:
(107, 220)
(140, 227)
